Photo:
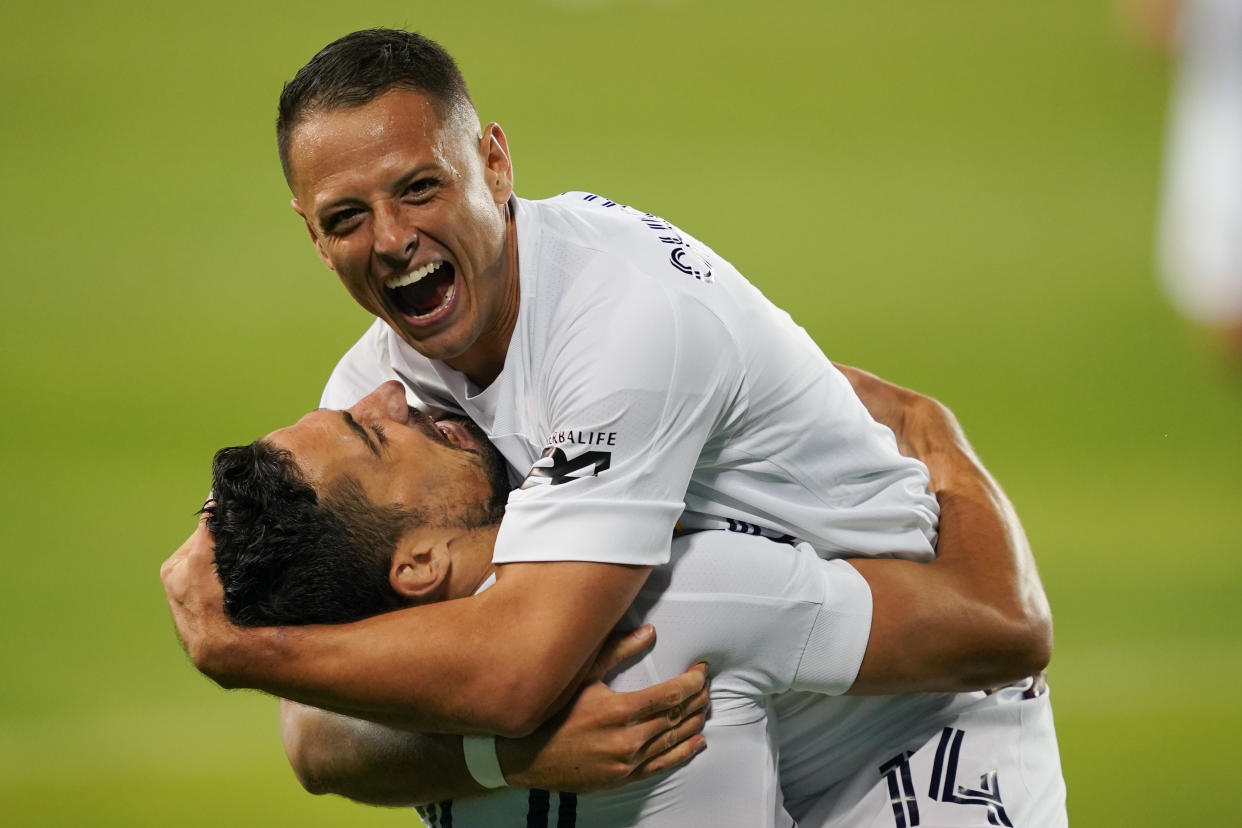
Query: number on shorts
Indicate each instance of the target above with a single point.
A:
(943, 787)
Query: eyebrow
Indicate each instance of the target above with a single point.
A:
(361, 432)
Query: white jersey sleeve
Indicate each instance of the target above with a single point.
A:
(759, 612)
(634, 387)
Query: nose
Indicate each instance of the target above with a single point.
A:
(384, 403)
(396, 238)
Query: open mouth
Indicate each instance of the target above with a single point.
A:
(425, 292)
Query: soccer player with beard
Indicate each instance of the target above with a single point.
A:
(300, 540)
(635, 379)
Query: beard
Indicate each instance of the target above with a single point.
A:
(496, 470)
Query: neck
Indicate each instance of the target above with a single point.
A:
(485, 359)
(472, 560)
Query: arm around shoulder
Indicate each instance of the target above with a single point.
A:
(976, 617)
(501, 662)
(601, 740)
(371, 763)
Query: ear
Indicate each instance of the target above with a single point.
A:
(494, 149)
(315, 237)
(420, 570)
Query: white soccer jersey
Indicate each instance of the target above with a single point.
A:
(1200, 230)
(645, 377)
(755, 611)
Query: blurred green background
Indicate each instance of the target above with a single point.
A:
(957, 195)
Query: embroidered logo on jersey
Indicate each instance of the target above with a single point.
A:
(555, 467)
(569, 436)
(682, 256)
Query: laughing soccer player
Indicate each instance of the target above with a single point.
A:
(549, 321)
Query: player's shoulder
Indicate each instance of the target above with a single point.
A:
(596, 256)
(579, 213)
(605, 298)
(625, 238)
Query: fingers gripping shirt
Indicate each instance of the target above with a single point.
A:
(645, 377)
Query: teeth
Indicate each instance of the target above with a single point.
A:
(415, 276)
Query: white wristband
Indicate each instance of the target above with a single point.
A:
(481, 761)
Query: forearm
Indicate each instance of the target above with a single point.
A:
(372, 763)
(380, 765)
(440, 668)
(600, 740)
(500, 662)
(975, 617)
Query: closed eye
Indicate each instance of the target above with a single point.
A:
(361, 432)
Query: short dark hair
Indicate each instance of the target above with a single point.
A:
(286, 555)
(358, 68)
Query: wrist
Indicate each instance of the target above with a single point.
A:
(515, 760)
(223, 658)
(483, 761)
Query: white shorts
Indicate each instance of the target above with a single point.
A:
(996, 763)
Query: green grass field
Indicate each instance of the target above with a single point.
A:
(958, 195)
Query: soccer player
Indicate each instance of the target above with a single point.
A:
(299, 540)
(635, 379)
(1199, 243)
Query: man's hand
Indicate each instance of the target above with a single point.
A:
(604, 739)
(196, 600)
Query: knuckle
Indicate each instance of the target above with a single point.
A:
(624, 747)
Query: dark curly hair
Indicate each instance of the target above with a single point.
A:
(287, 555)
